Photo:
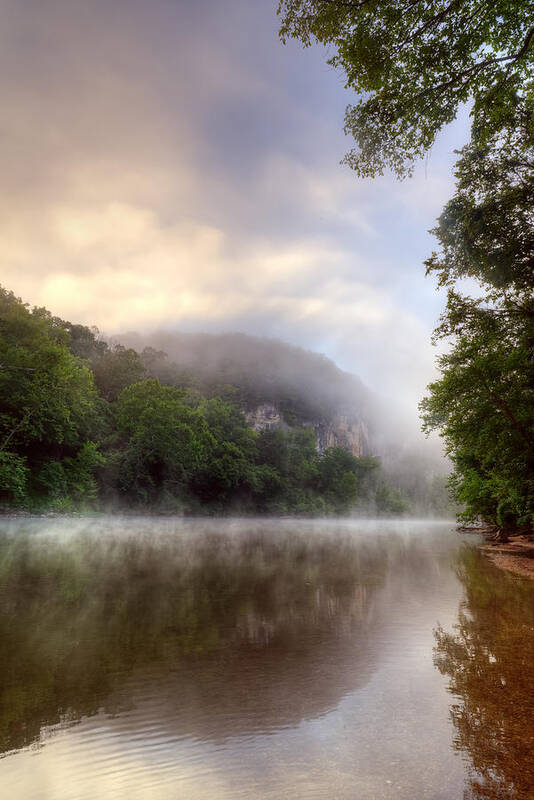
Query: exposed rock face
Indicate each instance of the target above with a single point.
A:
(265, 418)
(345, 430)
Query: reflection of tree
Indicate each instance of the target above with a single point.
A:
(78, 615)
(489, 659)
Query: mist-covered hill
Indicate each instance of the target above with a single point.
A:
(304, 385)
(305, 388)
(186, 423)
(85, 423)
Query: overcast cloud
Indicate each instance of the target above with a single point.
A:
(171, 164)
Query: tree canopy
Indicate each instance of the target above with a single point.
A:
(482, 405)
(483, 402)
(486, 231)
(49, 412)
(414, 63)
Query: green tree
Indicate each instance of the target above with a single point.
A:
(390, 501)
(482, 405)
(230, 473)
(165, 448)
(289, 472)
(14, 476)
(486, 230)
(166, 443)
(414, 63)
(157, 365)
(273, 450)
(49, 410)
(336, 478)
(83, 342)
(115, 369)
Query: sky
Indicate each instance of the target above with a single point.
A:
(171, 164)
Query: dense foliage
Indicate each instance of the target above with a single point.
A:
(50, 413)
(483, 403)
(82, 424)
(412, 65)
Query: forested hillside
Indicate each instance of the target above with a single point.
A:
(87, 424)
(304, 385)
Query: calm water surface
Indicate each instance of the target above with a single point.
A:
(156, 658)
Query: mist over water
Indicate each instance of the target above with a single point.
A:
(150, 657)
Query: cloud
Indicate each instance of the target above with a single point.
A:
(120, 266)
(172, 164)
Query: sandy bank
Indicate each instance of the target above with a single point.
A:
(515, 556)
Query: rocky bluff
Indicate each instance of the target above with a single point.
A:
(343, 430)
(276, 384)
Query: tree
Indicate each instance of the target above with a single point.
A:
(231, 468)
(413, 63)
(486, 231)
(390, 501)
(49, 412)
(483, 402)
(288, 471)
(337, 479)
(156, 365)
(14, 475)
(115, 369)
(482, 405)
(83, 342)
(166, 443)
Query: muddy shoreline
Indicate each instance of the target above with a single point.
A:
(515, 556)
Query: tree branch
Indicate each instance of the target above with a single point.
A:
(17, 427)
(503, 405)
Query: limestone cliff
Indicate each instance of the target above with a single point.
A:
(265, 417)
(344, 430)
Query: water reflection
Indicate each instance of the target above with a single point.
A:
(163, 659)
(489, 659)
(266, 629)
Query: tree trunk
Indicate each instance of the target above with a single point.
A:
(502, 536)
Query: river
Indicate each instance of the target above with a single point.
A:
(156, 658)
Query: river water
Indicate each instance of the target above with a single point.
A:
(152, 659)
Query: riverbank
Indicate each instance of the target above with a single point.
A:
(516, 556)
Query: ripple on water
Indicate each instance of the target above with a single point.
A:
(164, 659)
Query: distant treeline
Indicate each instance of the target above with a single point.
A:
(85, 424)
